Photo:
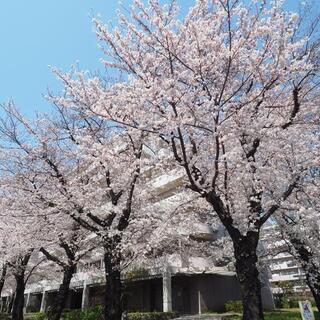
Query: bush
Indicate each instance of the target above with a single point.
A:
(285, 303)
(152, 315)
(234, 306)
(94, 313)
(39, 316)
(72, 314)
(293, 303)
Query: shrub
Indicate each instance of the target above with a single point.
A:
(72, 314)
(285, 303)
(39, 316)
(293, 303)
(152, 315)
(96, 313)
(93, 313)
(234, 306)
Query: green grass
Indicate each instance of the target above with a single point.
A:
(285, 314)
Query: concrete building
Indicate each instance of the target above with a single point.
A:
(185, 289)
(174, 282)
(283, 266)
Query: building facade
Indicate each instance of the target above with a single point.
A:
(188, 285)
(183, 290)
(283, 266)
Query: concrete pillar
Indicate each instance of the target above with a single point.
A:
(167, 291)
(266, 292)
(85, 297)
(199, 302)
(44, 301)
(27, 303)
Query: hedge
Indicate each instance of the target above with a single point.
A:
(234, 306)
(38, 316)
(96, 313)
(283, 303)
(152, 315)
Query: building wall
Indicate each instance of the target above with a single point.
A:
(211, 291)
(96, 296)
(190, 294)
(214, 291)
(283, 266)
(143, 295)
(34, 302)
(182, 294)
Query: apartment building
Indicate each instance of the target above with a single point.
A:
(283, 266)
(188, 284)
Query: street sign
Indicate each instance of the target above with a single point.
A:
(306, 310)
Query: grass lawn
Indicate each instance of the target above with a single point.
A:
(285, 314)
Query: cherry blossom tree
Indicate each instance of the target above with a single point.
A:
(84, 169)
(298, 227)
(61, 240)
(20, 231)
(231, 92)
(72, 180)
(45, 229)
(66, 250)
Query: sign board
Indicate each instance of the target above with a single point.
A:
(306, 310)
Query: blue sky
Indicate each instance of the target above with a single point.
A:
(36, 33)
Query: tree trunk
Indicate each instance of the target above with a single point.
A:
(2, 277)
(245, 253)
(113, 304)
(248, 275)
(10, 303)
(313, 281)
(62, 295)
(18, 302)
(311, 270)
